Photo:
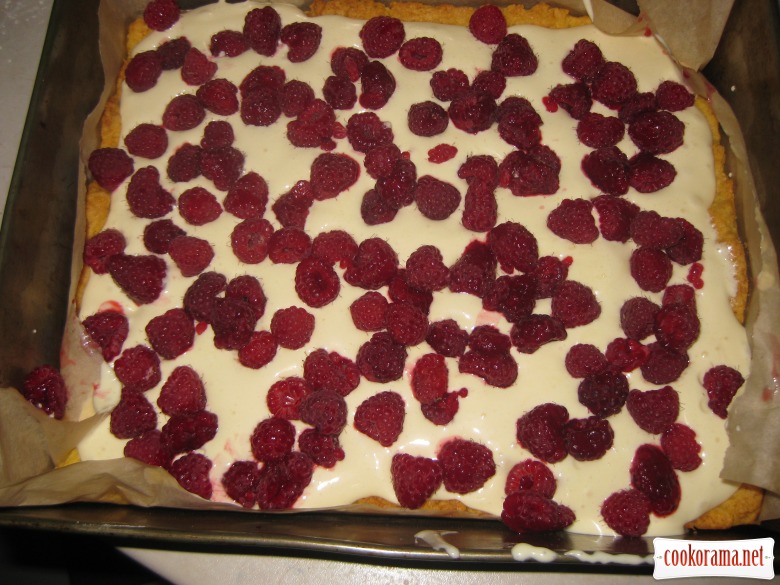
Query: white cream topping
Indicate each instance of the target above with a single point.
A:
(435, 539)
(487, 415)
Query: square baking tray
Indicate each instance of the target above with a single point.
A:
(36, 243)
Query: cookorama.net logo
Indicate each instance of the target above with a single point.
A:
(751, 559)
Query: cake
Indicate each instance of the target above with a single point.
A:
(447, 268)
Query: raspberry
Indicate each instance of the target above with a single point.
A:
(583, 360)
(324, 450)
(172, 53)
(146, 197)
(250, 239)
(292, 327)
(420, 54)
(573, 97)
(147, 141)
(512, 296)
(449, 84)
(466, 465)
(400, 292)
(442, 410)
(656, 132)
(219, 96)
(259, 351)
(262, 28)
(425, 269)
(294, 97)
(325, 410)
(316, 282)
(197, 69)
(190, 254)
(447, 338)
(366, 132)
(188, 432)
(663, 365)
(272, 439)
(240, 482)
(228, 43)
(480, 208)
(648, 173)
(182, 392)
(288, 246)
(472, 111)
(349, 62)
(583, 61)
(625, 355)
(679, 293)
(222, 166)
(638, 104)
(575, 304)
(637, 317)
(281, 483)
(171, 334)
(199, 297)
(377, 86)
(335, 246)
(332, 174)
(688, 248)
(532, 172)
(607, 168)
(613, 84)
(415, 479)
(369, 311)
(339, 92)
(330, 371)
(143, 71)
(133, 416)
(263, 78)
(550, 272)
(441, 153)
(653, 475)
(530, 475)
(514, 246)
(603, 394)
(217, 134)
(488, 24)
(721, 384)
(374, 265)
(233, 322)
(519, 126)
(247, 197)
(381, 417)
(161, 14)
(45, 388)
(260, 107)
(436, 199)
(513, 56)
(382, 36)
(541, 432)
(680, 446)
(597, 131)
(147, 449)
(677, 326)
(141, 278)
(475, 270)
(427, 119)
(648, 228)
(530, 512)
(303, 40)
(573, 220)
(406, 324)
(292, 208)
(651, 269)
(108, 329)
(429, 379)
(247, 289)
(673, 96)
(496, 369)
(100, 247)
(627, 512)
(284, 397)
(488, 339)
(183, 112)
(615, 217)
(198, 206)
(381, 359)
(531, 332)
(588, 439)
(110, 167)
(184, 164)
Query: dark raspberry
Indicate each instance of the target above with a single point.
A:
(374, 266)
(573, 220)
(550, 272)
(348, 61)
(188, 432)
(399, 291)
(449, 84)
(653, 475)
(381, 417)
(531, 475)
(583, 61)
(648, 228)
(382, 36)
(141, 278)
(294, 97)
(316, 282)
(597, 131)
(495, 369)
(369, 311)
(429, 379)
(339, 92)
(427, 119)
(324, 450)
(679, 293)
(406, 324)
(377, 86)
(613, 85)
(272, 439)
(110, 167)
(100, 247)
(519, 127)
(183, 112)
(302, 39)
(442, 410)
(514, 246)
(171, 334)
(108, 329)
(381, 359)
(190, 254)
(248, 197)
(133, 416)
(584, 359)
(292, 208)
(259, 351)
(627, 512)
(472, 111)
(247, 288)
(240, 482)
(663, 365)
(651, 269)
(250, 239)
(625, 355)
(530, 512)
(292, 327)
(146, 197)
(441, 153)
(147, 449)
(688, 248)
(480, 208)
(654, 410)
(588, 439)
(288, 246)
(262, 28)
(514, 57)
(680, 446)
(228, 43)
(488, 339)
(161, 14)
(143, 71)
(45, 388)
(332, 174)
(182, 392)
(656, 132)
(199, 297)
(284, 397)
(198, 206)
(615, 217)
(325, 410)
(541, 432)
(604, 394)
(436, 199)
(197, 69)
(184, 164)
(222, 166)
(335, 246)
(648, 173)
(677, 326)
(673, 96)
(575, 304)
(534, 172)
(219, 96)
(330, 371)
(261, 108)
(415, 479)
(147, 141)
(447, 338)
(281, 483)
(639, 103)
(233, 322)
(607, 168)
(721, 384)
(475, 270)
(466, 465)
(425, 269)
(488, 24)
(172, 53)
(366, 132)
(512, 296)
(534, 331)
(574, 98)
(263, 77)
(637, 317)
(420, 54)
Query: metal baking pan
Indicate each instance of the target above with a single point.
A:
(35, 254)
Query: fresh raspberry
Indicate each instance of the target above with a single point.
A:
(721, 384)
(199, 297)
(381, 359)
(369, 311)
(449, 84)
(677, 326)
(441, 153)
(488, 339)
(288, 246)
(475, 270)
(240, 482)
(625, 354)
(198, 206)
(427, 119)
(381, 417)
(415, 479)
(688, 248)
(519, 127)
(472, 111)
(228, 43)
(663, 365)
(654, 410)
(550, 272)
(292, 208)
(222, 166)
(147, 141)
(366, 132)
(627, 512)
(143, 71)
(651, 268)
(572, 97)
(575, 304)
(325, 410)
(447, 338)
(597, 131)
(110, 167)
(648, 228)
(263, 78)
(188, 432)
(573, 220)
(161, 14)
(330, 371)
(324, 450)
(603, 394)
(436, 199)
(172, 53)
(141, 278)
(513, 57)
(147, 449)
(613, 84)
(673, 96)
(197, 69)
(247, 288)
(146, 197)
(108, 329)
(335, 246)
(648, 173)
(514, 246)
(488, 24)
(292, 327)
(583, 360)
(495, 369)
(420, 54)
(250, 239)
(679, 293)
(262, 28)
(281, 483)
(217, 134)
(639, 103)
(247, 197)
(316, 282)
(512, 296)
(653, 475)
(284, 397)
(182, 392)
(530, 512)
(100, 247)
(588, 439)
(260, 108)
(184, 164)
(680, 446)
(530, 475)
(218, 96)
(272, 439)
(233, 322)
(332, 174)
(480, 208)
(259, 351)
(339, 92)
(382, 36)
(190, 254)
(442, 410)
(302, 39)
(294, 97)
(615, 217)
(656, 132)
(45, 388)
(637, 317)
(466, 465)
(400, 292)
(183, 112)
(374, 265)
(377, 86)
(532, 172)
(425, 269)
(133, 416)
(429, 379)
(171, 334)
(541, 432)
(348, 61)
(534, 331)
(607, 168)
(583, 61)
